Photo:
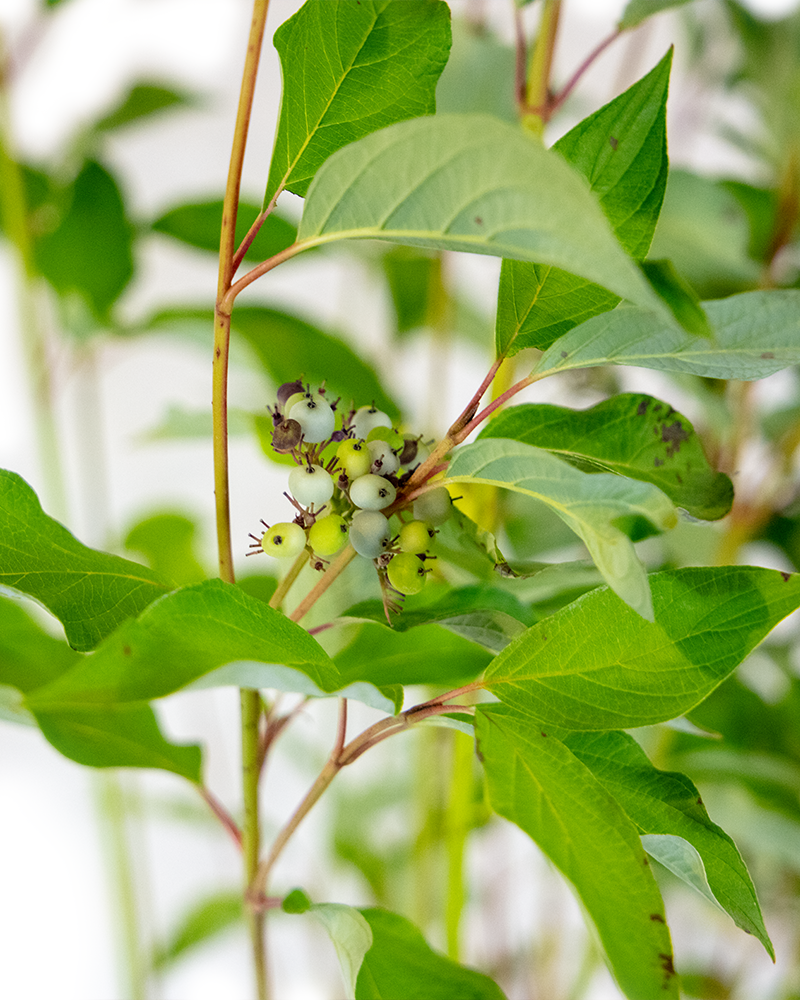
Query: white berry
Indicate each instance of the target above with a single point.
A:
(310, 484)
(380, 452)
(316, 418)
(369, 533)
(367, 418)
(372, 492)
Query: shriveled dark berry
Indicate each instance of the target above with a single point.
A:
(286, 435)
(289, 389)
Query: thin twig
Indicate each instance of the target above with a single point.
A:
(222, 815)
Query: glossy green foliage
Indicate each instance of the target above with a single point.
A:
(198, 224)
(167, 541)
(667, 803)
(536, 782)
(605, 511)
(597, 665)
(90, 592)
(631, 434)
(349, 69)
(89, 252)
(469, 183)
(401, 963)
(622, 151)
(755, 335)
(29, 656)
(182, 637)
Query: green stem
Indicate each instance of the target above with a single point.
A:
(536, 106)
(345, 557)
(251, 833)
(285, 585)
(457, 828)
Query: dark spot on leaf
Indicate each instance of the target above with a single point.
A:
(126, 650)
(641, 409)
(564, 354)
(666, 963)
(544, 734)
(673, 435)
(679, 477)
(658, 917)
(657, 462)
(478, 220)
(657, 408)
(544, 638)
(613, 143)
(478, 754)
(646, 861)
(786, 576)
(699, 800)
(768, 356)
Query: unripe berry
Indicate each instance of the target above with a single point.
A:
(354, 458)
(415, 537)
(327, 535)
(393, 438)
(315, 416)
(384, 460)
(369, 533)
(435, 506)
(285, 540)
(406, 573)
(295, 397)
(372, 492)
(310, 484)
(367, 418)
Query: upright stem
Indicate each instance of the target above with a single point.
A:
(535, 112)
(250, 699)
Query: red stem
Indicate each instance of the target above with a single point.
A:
(557, 100)
(222, 815)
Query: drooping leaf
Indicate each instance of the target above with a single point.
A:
(351, 936)
(400, 963)
(349, 69)
(755, 335)
(637, 11)
(142, 101)
(663, 803)
(602, 509)
(470, 183)
(180, 638)
(597, 665)
(631, 434)
(116, 736)
(199, 223)
(89, 252)
(621, 150)
(167, 541)
(537, 783)
(289, 348)
(427, 654)
(90, 592)
(202, 922)
(678, 856)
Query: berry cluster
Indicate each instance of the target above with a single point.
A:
(348, 485)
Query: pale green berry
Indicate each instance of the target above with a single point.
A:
(369, 533)
(285, 540)
(415, 537)
(406, 573)
(327, 535)
(310, 484)
(315, 416)
(295, 397)
(354, 458)
(372, 492)
(435, 506)
(367, 418)
(393, 438)
(384, 460)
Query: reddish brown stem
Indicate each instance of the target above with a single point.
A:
(556, 100)
(222, 815)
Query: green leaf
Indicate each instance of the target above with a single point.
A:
(178, 639)
(637, 11)
(349, 69)
(597, 665)
(142, 101)
(89, 253)
(479, 75)
(199, 223)
(597, 507)
(427, 654)
(666, 804)
(679, 296)
(469, 183)
(29, 657)
(401, 964)
(90, 592)
(537, 783)
(704, 231)
(755, 335)
(622, 152)
(631, 434)
(296, 901)
(289, 348)
(202, 922)
(351, 936)
(167, 541)
(116, 736)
